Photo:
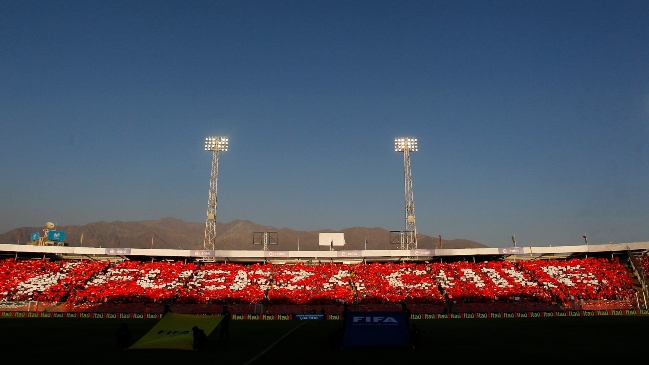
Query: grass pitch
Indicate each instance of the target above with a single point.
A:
(530, 340)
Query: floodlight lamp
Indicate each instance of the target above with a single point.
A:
(403, 143)
(216, 144)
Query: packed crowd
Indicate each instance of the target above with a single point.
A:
(179, 282)
(584, 279)
(395, 283)
(489, 281)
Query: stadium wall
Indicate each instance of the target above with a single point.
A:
(335, 317)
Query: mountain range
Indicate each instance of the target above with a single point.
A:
(173, 233)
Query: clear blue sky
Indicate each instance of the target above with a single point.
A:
(532, 116)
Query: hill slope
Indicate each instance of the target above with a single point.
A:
(174, 233)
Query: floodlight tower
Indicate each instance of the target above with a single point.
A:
(216, 145)
(407, 145)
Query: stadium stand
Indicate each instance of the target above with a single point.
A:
(378, 283)
(196, 287)
(586, 278)
(488, 282)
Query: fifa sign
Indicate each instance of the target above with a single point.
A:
(375, 319)
(376, 329)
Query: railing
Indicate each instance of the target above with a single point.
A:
(640, 274)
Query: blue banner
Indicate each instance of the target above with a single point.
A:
(364, 329)
(33, 236)
(56, 236)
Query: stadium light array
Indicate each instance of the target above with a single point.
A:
(216, 144)
(402, 144)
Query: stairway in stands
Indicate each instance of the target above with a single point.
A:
(636, 270)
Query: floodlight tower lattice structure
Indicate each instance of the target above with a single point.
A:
(214, 145)
(407, 145)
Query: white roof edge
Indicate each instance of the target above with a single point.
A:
(538, 250)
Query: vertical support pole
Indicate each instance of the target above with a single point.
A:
(411, 228)
(210, 222)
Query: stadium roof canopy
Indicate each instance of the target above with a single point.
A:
(318, 256)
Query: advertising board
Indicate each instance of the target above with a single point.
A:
(56, 236)
(376, 329)
(118, 251)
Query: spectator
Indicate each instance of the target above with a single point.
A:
(225, 323)
(415, 337)
(123, 336)
(166, 310)
(406, 314)
(199, 338)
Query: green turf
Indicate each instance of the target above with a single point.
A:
(570, 339)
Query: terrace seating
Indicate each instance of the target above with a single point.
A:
(15, 306)
(303, 309)
(202, 308)
(496, 307)
(309, 284)
(213, 308)
(395, 283)
(108, 307)
(420, 308)
(28, 306)
(229, 283)
(135, 282)
(587, 278)
(487, 282)
(71, 307)
(43, 280)
(426, 288)
(607, 304)
(388, 307)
